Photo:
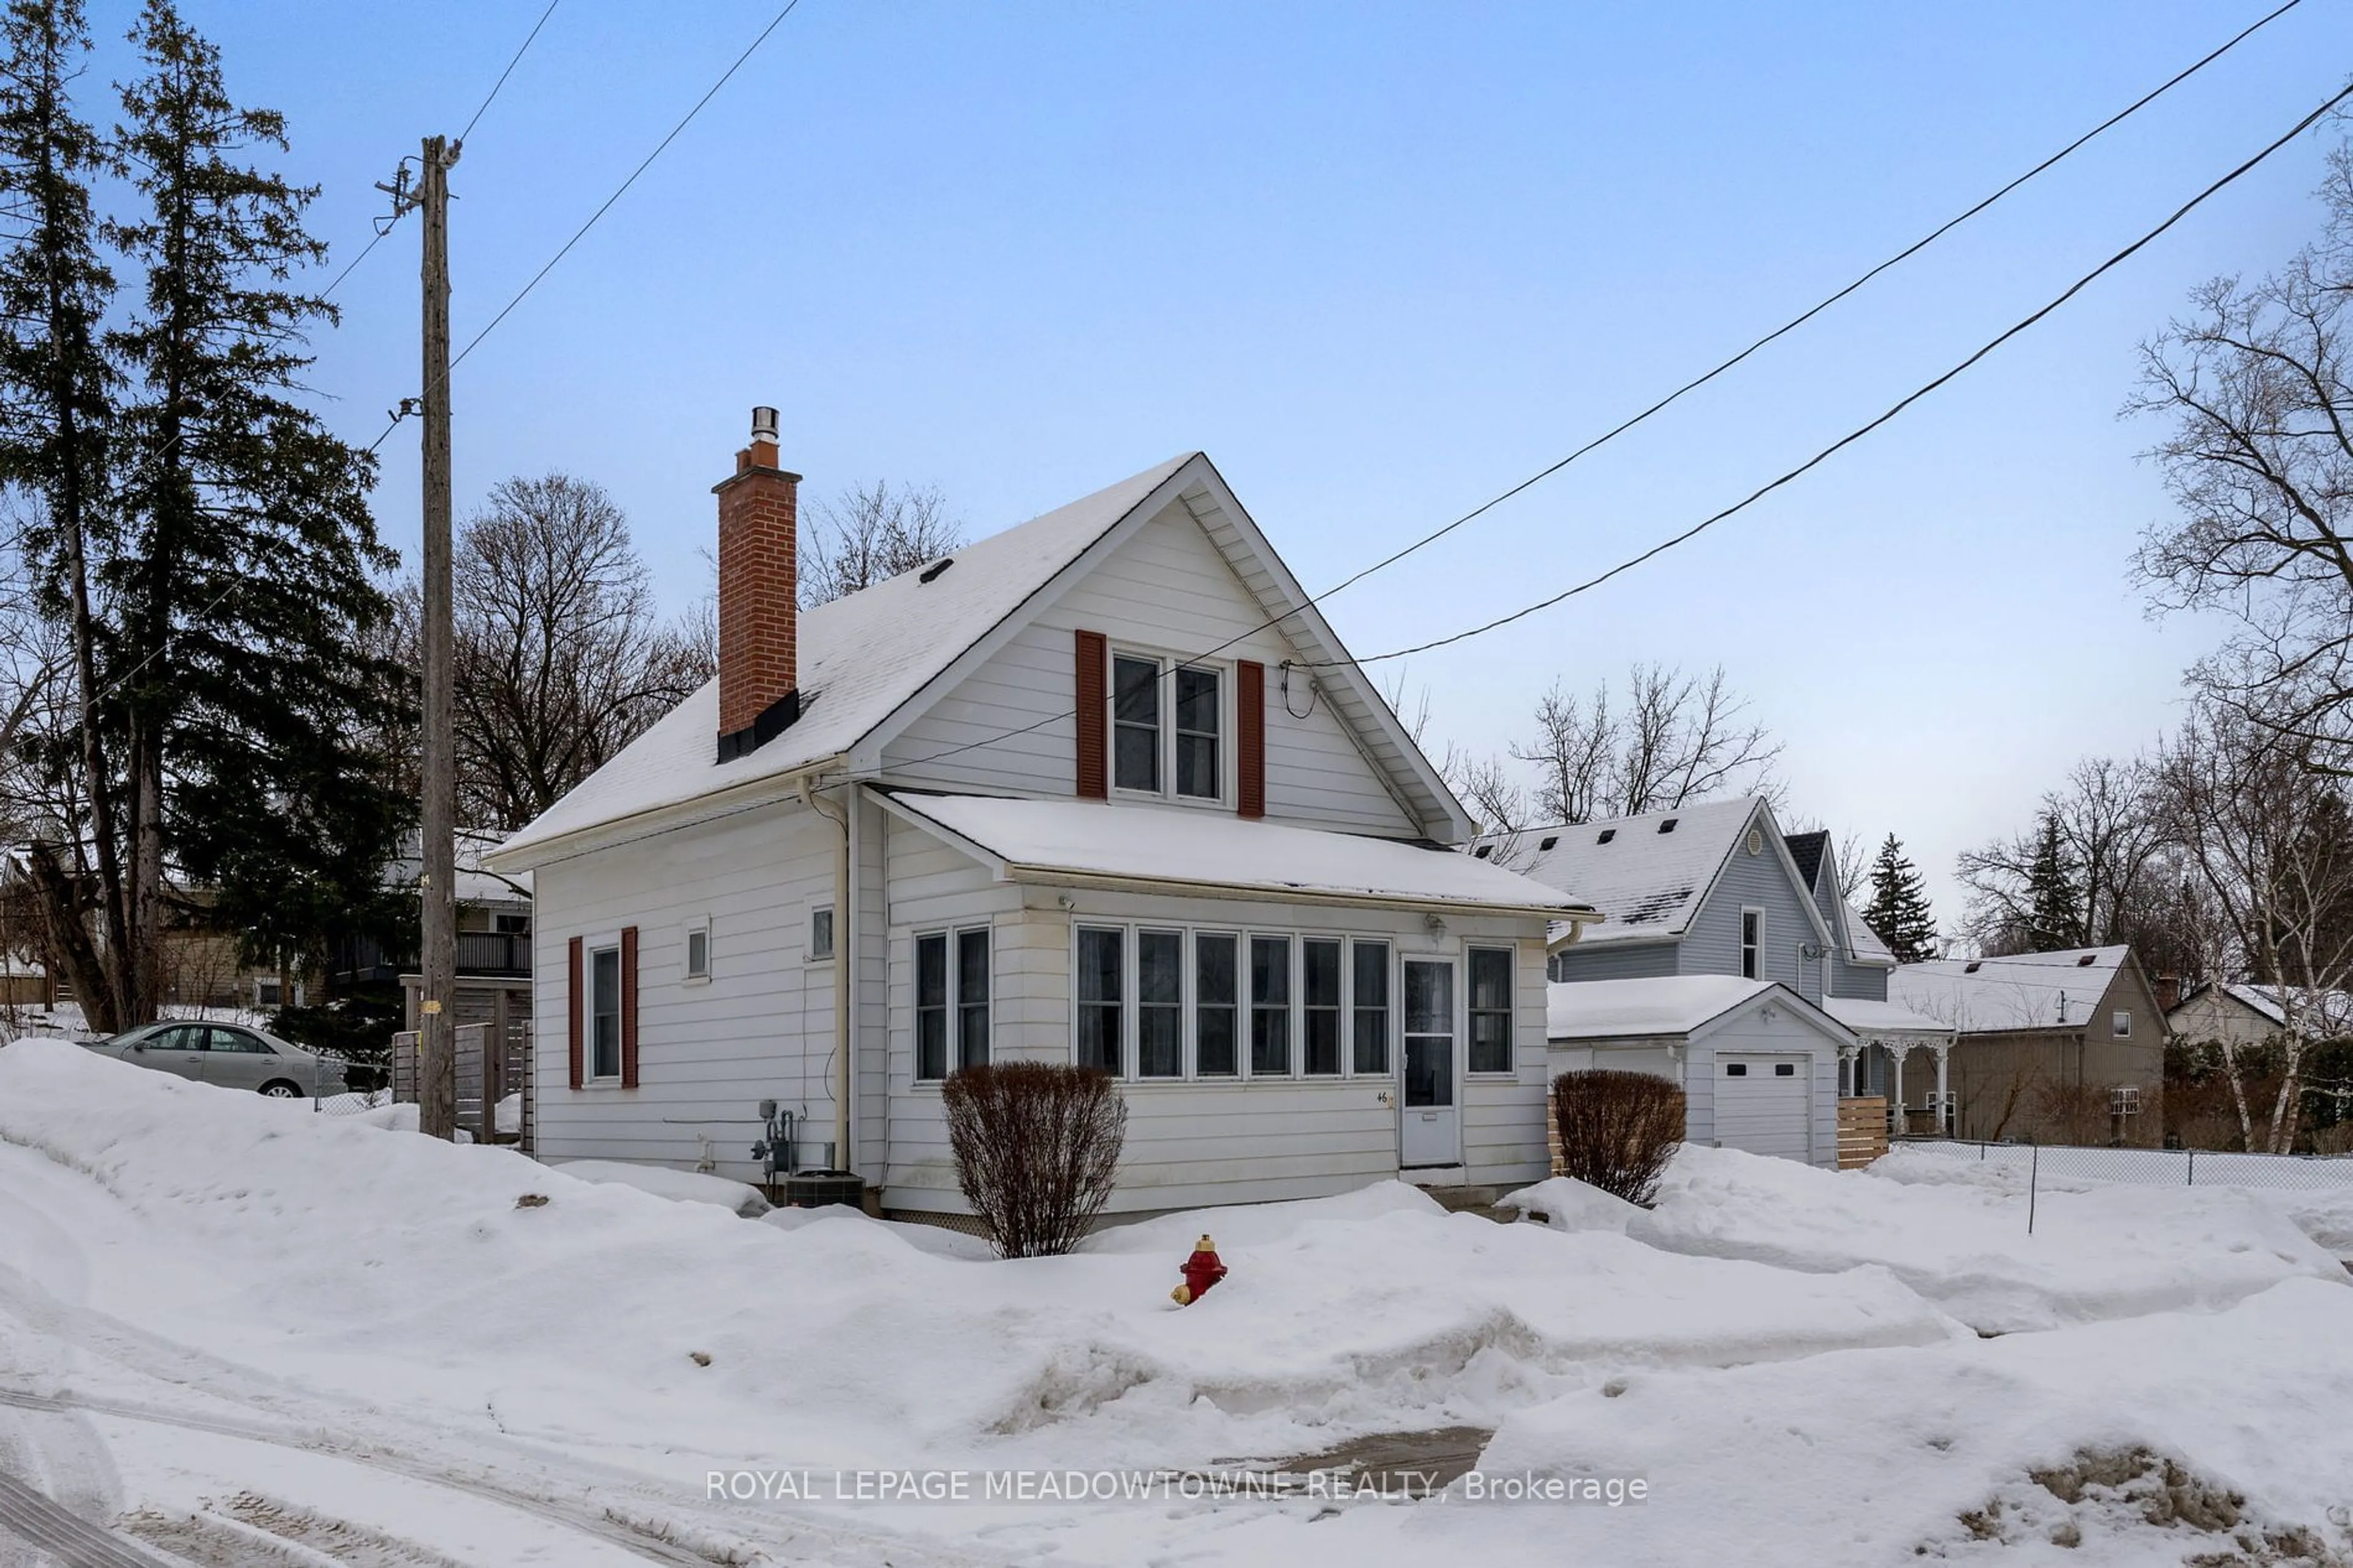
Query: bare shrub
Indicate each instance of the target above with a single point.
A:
(1618, 1130)
(1036, 1147)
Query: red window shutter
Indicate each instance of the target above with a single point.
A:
(629, 1006)
(576, 997)
(1095, 712)
(1250, 740)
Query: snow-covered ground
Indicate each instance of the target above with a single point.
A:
(222, 1323)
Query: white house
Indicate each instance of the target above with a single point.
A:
(1102, 788)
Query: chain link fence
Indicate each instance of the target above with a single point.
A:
(2153, 1167)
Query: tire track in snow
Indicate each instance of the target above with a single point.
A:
(72, 1540)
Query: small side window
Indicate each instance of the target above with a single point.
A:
(2121, 1024)
(820, 936)
(698, 951)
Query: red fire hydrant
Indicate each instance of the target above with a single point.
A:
(1201, 1270)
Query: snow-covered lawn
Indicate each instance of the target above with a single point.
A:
(307, 1324)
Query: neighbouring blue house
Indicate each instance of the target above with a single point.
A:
(1700, 897)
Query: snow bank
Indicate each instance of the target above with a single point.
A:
(678, 1186)
(1886, 1457)
(1564, 1203)
(2096, 1251)
(936, 1240)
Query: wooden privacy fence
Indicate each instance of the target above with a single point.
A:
(488, 1069)
(1861, 1130)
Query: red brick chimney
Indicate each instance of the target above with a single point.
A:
(2168, 992)
(759, 588)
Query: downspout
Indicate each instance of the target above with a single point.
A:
(842, 950)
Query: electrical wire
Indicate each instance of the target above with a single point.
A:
(1692, 384)
(517, 60)
(565, 249)
(1860, 431)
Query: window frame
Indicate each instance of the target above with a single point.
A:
(593, 1042)
(2120, 1024)
(689, 974)
(953, 1007)
(1192, 1005)
(809, 953)
(1752, 949)
(1510, 1010)
(1164, 667)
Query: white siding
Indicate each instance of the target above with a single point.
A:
(761, 1027)
(1165, 590)
(1192, 1143)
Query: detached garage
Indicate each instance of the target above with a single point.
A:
(1758, 1063)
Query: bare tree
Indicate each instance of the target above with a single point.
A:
(2255, 385)
(870, 533)
(562, 658)
(2271, 839)
(2095, 862)
(1675, 740)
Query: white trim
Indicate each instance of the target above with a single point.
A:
(816, 907)
(1165, 664)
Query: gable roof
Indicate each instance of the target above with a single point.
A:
(1177, 847)
(880, 655)
(2326, 1014)
(2023, 991)
(1664, 1006)
(1806, 849)
(1648, 875)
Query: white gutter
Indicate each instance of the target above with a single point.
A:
(750, 795)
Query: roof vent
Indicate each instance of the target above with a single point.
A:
(1483, 852)
(1971, 967)
(2086, 960)
(1755, 842)
(1548, 843)
(1669, 825)
(1606, 835)
(936, 567)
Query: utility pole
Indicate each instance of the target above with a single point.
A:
(437, 1055)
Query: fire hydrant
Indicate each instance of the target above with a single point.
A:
(1201, 1270)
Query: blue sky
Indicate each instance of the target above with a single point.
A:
(1380, 261)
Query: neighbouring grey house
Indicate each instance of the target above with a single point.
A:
(2250, 1014)
(1711, 892)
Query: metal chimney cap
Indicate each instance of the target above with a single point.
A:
(764, 425)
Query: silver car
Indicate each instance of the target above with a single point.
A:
(229, 1055)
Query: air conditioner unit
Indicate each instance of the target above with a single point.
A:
(2125, 1102)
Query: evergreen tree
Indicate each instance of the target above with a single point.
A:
(1899, 906)
(246, 588)
(57, 413)
(2054, 903)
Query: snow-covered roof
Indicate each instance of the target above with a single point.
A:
(1213, 851)
(2023, 991)
(862, 658)
(1870, 1019)
(2324, 1012)
(1863, 943)
(1665, 1004)
(1648, 874)
(476, 885)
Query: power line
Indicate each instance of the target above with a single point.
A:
(1699, 381)
(565, 249)
(1800, 320)
(1860, 431)
(1850, 438)
(517, 60)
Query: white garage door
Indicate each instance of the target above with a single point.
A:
(1762, 1104)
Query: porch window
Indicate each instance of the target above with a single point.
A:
(1270, 1007)
(1216, 970)
(605, 1013)
(1103, 963)
(1319, 965)
(1160, 1003)
(1752, 944)
(1371, 998)
(1490, 1008)
(1196, 733)
(1135, 724)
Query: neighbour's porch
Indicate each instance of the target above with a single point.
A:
(1888, 1038)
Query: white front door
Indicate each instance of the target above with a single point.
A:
(1432, 1132)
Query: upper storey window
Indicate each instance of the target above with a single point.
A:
(1168, 728)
